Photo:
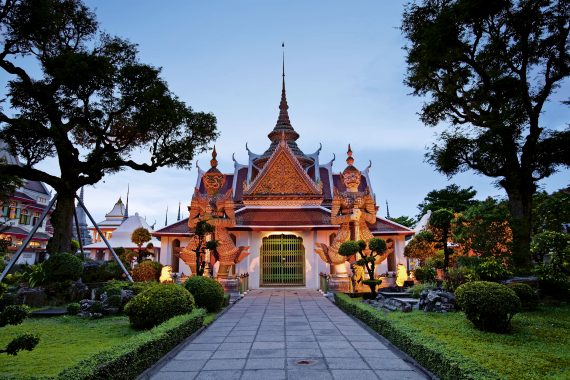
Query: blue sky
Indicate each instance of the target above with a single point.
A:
(345, 66)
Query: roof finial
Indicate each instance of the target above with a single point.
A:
(125, 217)
(387, 210)
(349, 159)
(166, 217)
(178, 218)
(213, 161)
(283, 107)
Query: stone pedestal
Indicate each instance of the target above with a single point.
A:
(230, 285)
(339, 284)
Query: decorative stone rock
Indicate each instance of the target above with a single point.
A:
(33, 297)
(437, 300)
(391, 304)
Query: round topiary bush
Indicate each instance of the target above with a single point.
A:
(207, 292)
(147, 271)
(488, 305)
(62, 267)
(158, 304)
(73, 308)
(526, 294)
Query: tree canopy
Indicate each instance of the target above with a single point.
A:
(87, 101)
(486, 70)
(452, 197)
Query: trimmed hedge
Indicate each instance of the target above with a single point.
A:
(207, 292)
(446, 365)
(128, 360)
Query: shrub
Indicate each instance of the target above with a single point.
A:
(491, 269)
(147, 271)
(73, 308)
(488, 305)
(425, 274)
(207, 292)
(158, 304)
(418, 288)
(101, 272)
(130, 359)
(14, 315)
(62, 267)
(526, 294)
(459, 276)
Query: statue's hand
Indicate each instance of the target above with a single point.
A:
(356, 214)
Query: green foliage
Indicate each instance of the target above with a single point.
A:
(140, 236)
(74, 246)
(203, 228)
(451, 197)
(418, 288)
(33, 275)
(421, 247)
(527, 295)
(459, 276)
(377, 245)
(441, 219)
(436, 261)
(555, 244)
(448, 346)
(14, 315)
(491, 269)
(62, 267)
(147, 271)
(129, 359)
(484, 229)
(22, 342)
(405, 221)
(71, 86)
(488, 305)
(108, 270)
(550, 211)
(348, 248)
(158, 304)
(73, 308)
(207, 292)
(425, 274)
(440, 223)
(460, 58)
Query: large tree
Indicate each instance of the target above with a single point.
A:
(83, 97)
(487, 68)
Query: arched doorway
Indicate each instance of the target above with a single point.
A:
(282, 261)
(391, 255)
(174, 260)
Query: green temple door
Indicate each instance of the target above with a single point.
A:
(282, 261)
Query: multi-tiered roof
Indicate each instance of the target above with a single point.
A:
(283, 187)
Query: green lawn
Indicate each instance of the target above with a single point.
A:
(538, 347)
(64, 341)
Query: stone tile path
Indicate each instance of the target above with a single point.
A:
(286, 334)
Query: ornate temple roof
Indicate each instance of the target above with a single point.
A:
(122, 236)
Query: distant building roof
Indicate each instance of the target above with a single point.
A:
(20, 232)
(121, 237)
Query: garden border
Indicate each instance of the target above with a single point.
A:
(129, 360)
(439, 363)
(150, 371)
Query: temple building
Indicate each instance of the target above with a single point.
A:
(113, 219)
(282, 216)
(21, 212)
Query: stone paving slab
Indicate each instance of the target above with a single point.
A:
(283, 335)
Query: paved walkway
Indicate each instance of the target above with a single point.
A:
(286, 334)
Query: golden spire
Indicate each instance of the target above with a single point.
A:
(349, 159)
(213, 161)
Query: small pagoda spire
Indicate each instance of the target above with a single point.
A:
(178, 218)
(213, 161)
(349, 159)
(166, 217)
(283, 119)
(126, 216)
(387, 210)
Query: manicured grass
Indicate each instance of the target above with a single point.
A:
(209, 318)
(537, 348)
(64, 341)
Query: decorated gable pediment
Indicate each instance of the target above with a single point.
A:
(283, 175)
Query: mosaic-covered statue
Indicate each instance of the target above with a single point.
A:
(217, 209)
(353, 210)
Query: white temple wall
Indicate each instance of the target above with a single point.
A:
(166, 252)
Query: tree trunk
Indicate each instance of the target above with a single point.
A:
(62, 221)
(520, 207)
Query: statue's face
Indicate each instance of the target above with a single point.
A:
(351, 180)
(213, 182)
